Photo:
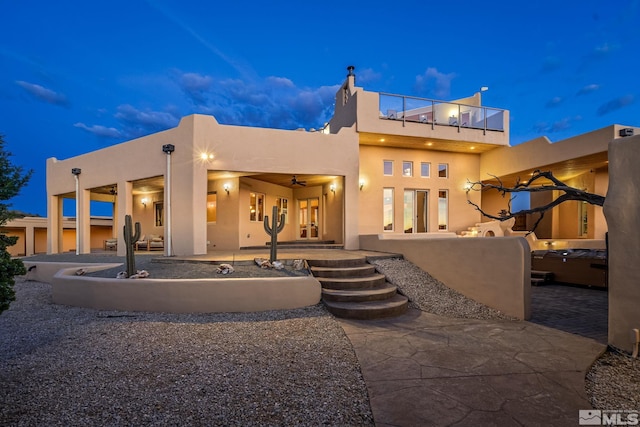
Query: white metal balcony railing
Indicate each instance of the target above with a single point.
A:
(440, 113)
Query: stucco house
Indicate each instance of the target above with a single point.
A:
(384, 164)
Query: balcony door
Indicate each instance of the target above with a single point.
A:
(308, 217)
(415, 211)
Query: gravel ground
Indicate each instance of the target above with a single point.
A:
(428, 294)
(72, 366)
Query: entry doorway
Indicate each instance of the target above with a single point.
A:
(415, 211)
(308, 217)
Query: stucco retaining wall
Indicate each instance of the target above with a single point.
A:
(175, 296)
(494, 271)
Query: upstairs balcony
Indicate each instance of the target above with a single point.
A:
(440, 113)
(405, 121)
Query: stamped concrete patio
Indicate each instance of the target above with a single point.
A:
(426, 370)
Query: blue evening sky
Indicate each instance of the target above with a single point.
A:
(76, 76)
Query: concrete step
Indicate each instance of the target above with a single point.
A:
(351, 283)
(337, 263)
(541, 273)
(356, 271)
(378, 293)
(539, 277)
(369, 310)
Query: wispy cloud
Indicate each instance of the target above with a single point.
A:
(433, 81)
(43, 94)
(100, 131)
(138, 122)
(615, 104)
(554, 102)
(557, 126)
(588, 89)
(240, 66)
(195, 86)
(367, 76)
(274, 102)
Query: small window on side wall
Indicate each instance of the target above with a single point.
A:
(158, 209)
(283, 208)
(212, 207)
(256, 207)
(443, 170)
(425, 169)
(407, 169)
(388, 168)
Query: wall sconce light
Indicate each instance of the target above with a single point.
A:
(361, 184)
(226, 188)
(144, 201)
(207, 156)
(332, 187)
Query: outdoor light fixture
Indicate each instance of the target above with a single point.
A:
(168, 148)
(332, 187)
(76, 171)
(144, 201)
(226, 188)
(361, 184)
(206, 156)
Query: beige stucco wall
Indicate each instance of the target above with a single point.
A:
(368, 114)
(462, 168)
(622, 210)
(493, 271)
(173, 296)
(236, 149)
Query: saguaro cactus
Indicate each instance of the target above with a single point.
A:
(273, 230)
(130, 239)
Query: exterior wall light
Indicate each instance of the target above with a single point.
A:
(206, 156)
(144, 201)
(226, 188)
(168, 148)
(332, 187)
(76, 171)
(361, 184)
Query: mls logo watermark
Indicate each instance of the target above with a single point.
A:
(597, 417)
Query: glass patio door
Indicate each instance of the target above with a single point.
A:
(308, 215)
(415, 211)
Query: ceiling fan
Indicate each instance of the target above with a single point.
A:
(295, 181)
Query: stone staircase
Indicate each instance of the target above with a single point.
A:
(539, 277)
(352, 289)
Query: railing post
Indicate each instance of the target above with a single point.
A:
(404, 110)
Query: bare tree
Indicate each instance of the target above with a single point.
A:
(533, 186)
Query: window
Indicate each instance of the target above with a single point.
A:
(387, 209)
(407, 169)
(408, 211)
(283, 208)
(212, 206)
(256, 207)
(158, 209)
(443, 170)
(388, 167)
(443, 210)
(583, 210)
(425, 169)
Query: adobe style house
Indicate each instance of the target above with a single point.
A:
(384, 164)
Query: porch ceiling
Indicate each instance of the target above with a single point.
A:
(285, 180)
(420, 143)
(562, 170)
